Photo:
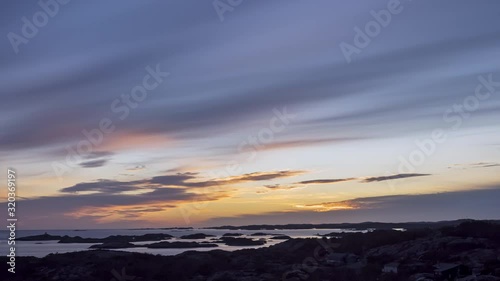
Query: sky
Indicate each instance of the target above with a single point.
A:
(123, 114)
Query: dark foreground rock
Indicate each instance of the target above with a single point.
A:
(473, 247)
(216, 265)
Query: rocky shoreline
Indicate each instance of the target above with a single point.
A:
(471, 248)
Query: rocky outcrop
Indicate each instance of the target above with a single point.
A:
(232, 235)
(113, 238)
(43, 237)
(196, 236)
(116, 238)
(180, 245)
(263, 234)
(281, 237)
(113, 245)
(232, 241)
(77, 239)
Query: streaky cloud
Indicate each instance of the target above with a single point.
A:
(94, 163)
(393, 177)
(326, 181)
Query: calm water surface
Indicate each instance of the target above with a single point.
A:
(43, 248)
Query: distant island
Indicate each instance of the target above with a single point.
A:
(356, 226)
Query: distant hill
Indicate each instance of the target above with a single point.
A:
(356, 226)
